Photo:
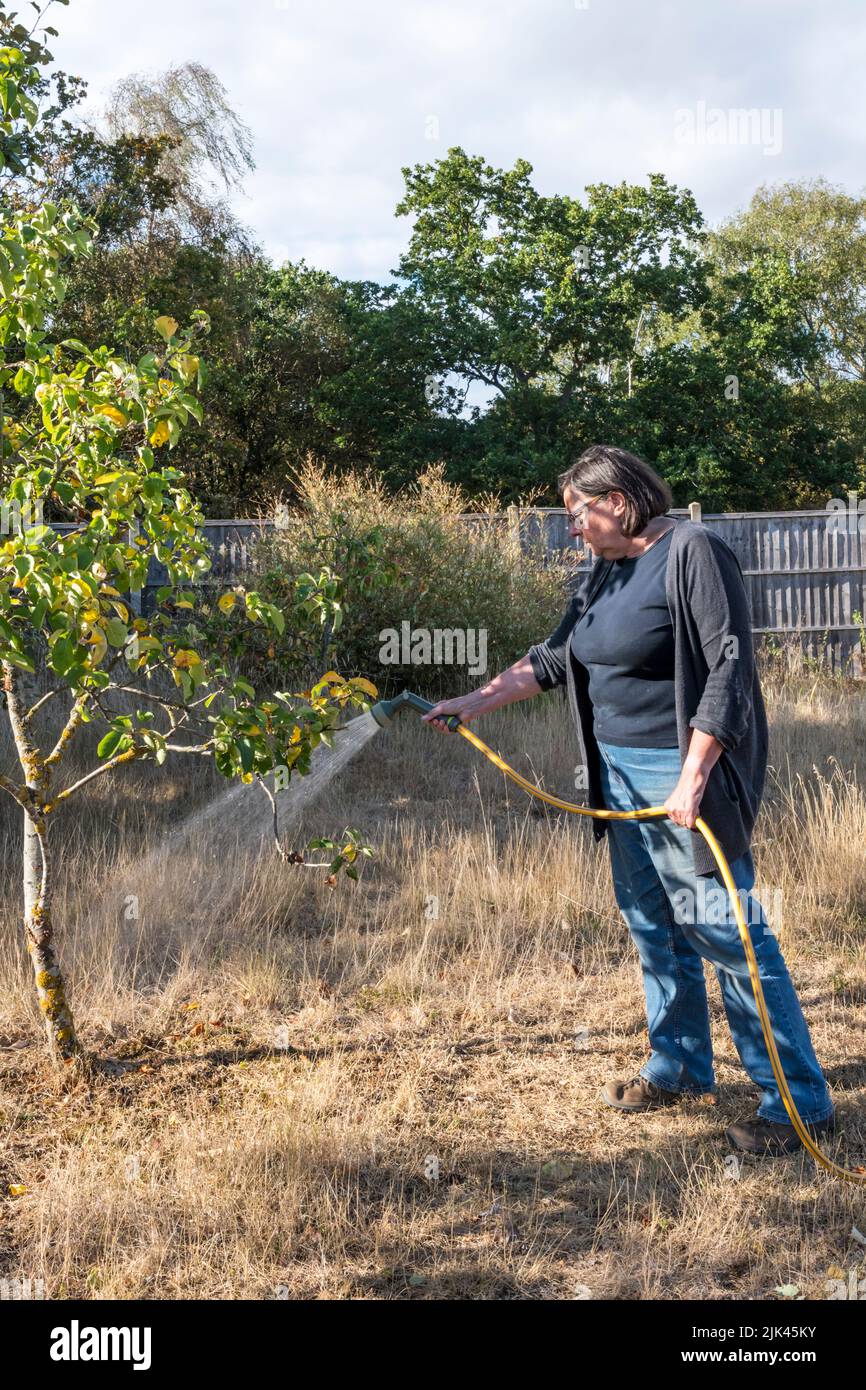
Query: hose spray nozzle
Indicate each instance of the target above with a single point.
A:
(384, 711)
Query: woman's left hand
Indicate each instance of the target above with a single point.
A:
(684, 803)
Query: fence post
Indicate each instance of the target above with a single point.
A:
(695, 511)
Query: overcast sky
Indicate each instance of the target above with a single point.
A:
(340, 95)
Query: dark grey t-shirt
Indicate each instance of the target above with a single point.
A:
(625, 639)
(720, 696)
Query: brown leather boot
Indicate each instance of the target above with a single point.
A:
(637, 1094)
(771, 1138)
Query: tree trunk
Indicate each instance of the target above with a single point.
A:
(21, 690)
(63, 1043)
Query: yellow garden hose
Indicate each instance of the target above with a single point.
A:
(857, 1175)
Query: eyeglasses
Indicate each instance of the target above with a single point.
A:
(574, 517)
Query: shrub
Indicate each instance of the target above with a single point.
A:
(410, 558)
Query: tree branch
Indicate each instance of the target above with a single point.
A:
(43, 700)
(127, 757)
(76, 716)
(16, 792)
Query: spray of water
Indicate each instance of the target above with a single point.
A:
(242, 815)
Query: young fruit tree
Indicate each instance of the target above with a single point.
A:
(85, 435)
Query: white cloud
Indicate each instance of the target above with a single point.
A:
(337, 96)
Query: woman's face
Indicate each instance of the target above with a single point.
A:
(598, 523)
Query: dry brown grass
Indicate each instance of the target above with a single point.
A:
(219, 1157)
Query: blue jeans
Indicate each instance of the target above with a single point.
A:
(677, 921)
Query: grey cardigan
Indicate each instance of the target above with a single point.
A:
(716, 683)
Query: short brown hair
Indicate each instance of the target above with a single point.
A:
(603, 468)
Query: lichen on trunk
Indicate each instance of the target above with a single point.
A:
(63, 1045)
(50, 986)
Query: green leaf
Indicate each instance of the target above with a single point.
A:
(247, 752)
(16, 658)
(109, 743)
(37, 616)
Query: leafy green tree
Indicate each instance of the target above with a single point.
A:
(336, 369)
(619, 318)
(810, 237)
(88, 439)
(153, 172)
(24, 148)
(539, 299)
(797, 255)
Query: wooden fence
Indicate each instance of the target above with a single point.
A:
(803, 571)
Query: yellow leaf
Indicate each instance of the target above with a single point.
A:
(160, 434)
(246, 776)
(331, 677)
(227, 602)
(121, 610)
(361, 684)
(90, 615)
(185, 659)
(191, 1006)
(166, 326)
(99, 644)
(113, 414)
(17, 1189)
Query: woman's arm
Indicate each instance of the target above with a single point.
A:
(684, 803)
(541, 668)
(517, 682)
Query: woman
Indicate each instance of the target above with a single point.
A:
(656, 651)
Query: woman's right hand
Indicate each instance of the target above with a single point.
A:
(465, 706)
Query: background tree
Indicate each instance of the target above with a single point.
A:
(539, 299)
(617, 319)
(153, 171)
(519, 328)
(810, 238)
